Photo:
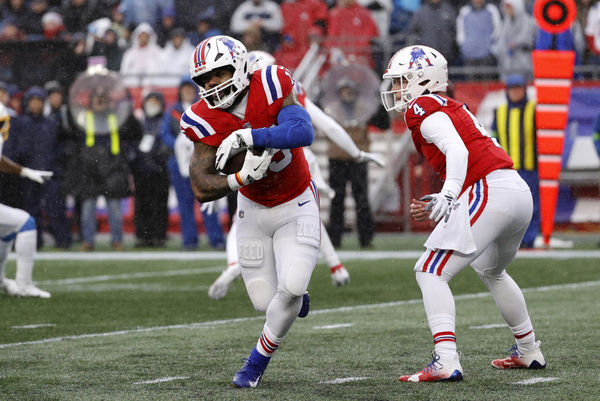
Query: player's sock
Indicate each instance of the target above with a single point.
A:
(25, 247)
(511, 304)
(444, 338)
(267, 343)
(5, 246)
(524, 336)
(281, 314)
(441, 316)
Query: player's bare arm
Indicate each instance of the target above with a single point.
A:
(417, 210)
(207, 183)
(291, 99)
(9, 167)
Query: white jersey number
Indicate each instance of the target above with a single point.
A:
(277, 166)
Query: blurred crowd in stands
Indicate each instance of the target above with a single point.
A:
(44, 40)
(46, 44)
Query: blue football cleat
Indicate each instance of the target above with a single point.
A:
(305, 305)
(251, 373)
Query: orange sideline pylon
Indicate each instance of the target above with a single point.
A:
(552, 71)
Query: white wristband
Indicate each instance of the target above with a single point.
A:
(234, 181)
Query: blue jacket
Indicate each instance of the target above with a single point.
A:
(35, 144)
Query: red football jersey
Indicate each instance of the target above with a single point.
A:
(484, 155)
(288, 175)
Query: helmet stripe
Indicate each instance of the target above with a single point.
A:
(199, 55)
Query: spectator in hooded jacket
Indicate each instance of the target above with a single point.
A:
(477, 29)
(517, 39)
(176, 57)
(141, 64)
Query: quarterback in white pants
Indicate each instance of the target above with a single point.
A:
(482, 211)
(18, 227)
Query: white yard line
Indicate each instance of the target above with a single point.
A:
(344, 255)
(316, 312)
(343, 380)
(34, 326)
(489, 326)
(536, 380)
(128, 276)
(156, 287)
(163, 379)
(333, 326)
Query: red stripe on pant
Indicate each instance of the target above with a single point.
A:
(483, 202)
(426, 264)
(441, 266)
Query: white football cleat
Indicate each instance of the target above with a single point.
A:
(10, 287)
(219, 288)
(339, 275)
(533, 359)
(33, 292)
(437, 371)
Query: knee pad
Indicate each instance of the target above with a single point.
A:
(297, 278)
(489, 277)
(261, 293)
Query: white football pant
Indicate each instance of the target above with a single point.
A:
(278, 249)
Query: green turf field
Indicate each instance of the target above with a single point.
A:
(146, 330)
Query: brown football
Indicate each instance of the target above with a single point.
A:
(235, 163)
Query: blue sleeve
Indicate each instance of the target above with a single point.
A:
(293, 130)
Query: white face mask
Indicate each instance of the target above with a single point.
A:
(152, 109)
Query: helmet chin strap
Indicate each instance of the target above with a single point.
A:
(238, 98)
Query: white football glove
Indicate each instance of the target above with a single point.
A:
(232, 145)
(365, 157)
(340, 277)
(254, 169)
(208, 207)
(440, 204)
(38, 176)
(326, 190)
